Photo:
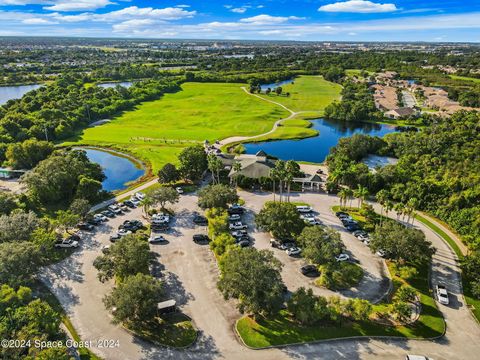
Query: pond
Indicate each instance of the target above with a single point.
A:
(276, 84)
(125, 84)
(15, 92)
(119, 170)
(316, 149)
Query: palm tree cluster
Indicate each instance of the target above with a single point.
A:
(361, 193)
(283, 174)
(215, 165)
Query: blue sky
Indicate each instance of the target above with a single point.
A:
(321, 20)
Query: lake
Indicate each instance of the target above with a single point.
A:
(15, 92)
(275, 85)
(118, 170)
(125, 84)
(316, 149)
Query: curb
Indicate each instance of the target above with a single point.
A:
(360, 338)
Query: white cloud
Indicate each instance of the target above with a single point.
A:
(268, 19)
(358, 6)
(38, 21)
(130, 25)
(25, 2)
(78, 5)
(239, 10)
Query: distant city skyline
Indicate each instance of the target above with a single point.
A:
(300, 20)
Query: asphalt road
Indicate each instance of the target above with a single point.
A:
(189, 271)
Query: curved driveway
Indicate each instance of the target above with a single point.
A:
(190, 272)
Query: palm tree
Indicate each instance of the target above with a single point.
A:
(349, 193)
(398, 207)
(273, 176)
(281, 172)
(342, 194)
(237, 167)
(410, 207)
(382, 197)
(146, 203)
(361, 193)
(291, 168)
(215, 165)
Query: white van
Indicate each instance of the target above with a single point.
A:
(304, 209)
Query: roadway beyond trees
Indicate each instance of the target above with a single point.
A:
(189, 270)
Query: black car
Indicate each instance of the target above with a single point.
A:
(200, 220)
(352, 227)
(85, 226)
(94, 221)
(108, 213)
(309, 270)
(340, 213)
(128, 203)
(244, 243)
(235, 210)
(201, 238)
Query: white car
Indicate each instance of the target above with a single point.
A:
(123, 232)
(234, 217)
(304, 209)
(160, 218)
(100, 217)
(135, 201)
(293, 251)
(115, 209)
(363, 237)
(342, 257)
(442, 294)
(156, 239)
(67, 244)
(179, 190)
(139, 195)
(416, 357)
(313, 221)
(307, 216)
(237, 226)
(238, 233)
(381, 253)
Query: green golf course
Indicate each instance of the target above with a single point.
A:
(157, 131)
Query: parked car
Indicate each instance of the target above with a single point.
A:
(85, 226)
(352, 227)
(108, 213)
(293, 251)
(123, 232)
(94, 221)
(442, 294)
(159, 227)
(129, 204)
(313, 221)
(201, 238)
(340, 213)
(67, 243)
(157, 239)
(235, 209)
(304, 209)
(364, 238)
(234, 217)
(100, 217)
(134, 201)
(381, 253)
(238, 233)
(342, 257)
(139, 195)
(309, 270)
(244, 243)
(358, 233)
(115, 209)
(416, 357)
(105, 249)
(275, 243)
(237, 226)
(179, 190)
(287, 245)
(114, 238)
(200, 220)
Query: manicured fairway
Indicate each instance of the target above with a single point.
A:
(456, 77)
(308, 93)
(156, 131)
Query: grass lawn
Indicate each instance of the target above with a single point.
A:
(340, 276)
(466, 78)
(175, 330)
(158, 130)
(308, 93)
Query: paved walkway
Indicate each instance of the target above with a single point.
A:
(235, 139)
